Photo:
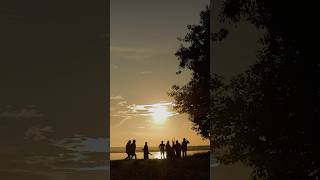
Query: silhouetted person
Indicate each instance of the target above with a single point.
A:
(133, 149)
(184, 145)
(173, 149)
(169, 150)
(128, 150)
(161, 147)
(146, 151)
(177, 148)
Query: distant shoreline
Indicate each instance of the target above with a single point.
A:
(156, 149)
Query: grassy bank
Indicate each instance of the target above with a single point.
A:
(193, 167)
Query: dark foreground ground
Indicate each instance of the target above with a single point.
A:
(195, 167)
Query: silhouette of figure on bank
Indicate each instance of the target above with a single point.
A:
(128, 150)
(133, 149)
(177, 148)
(146, 151)
(161, 147)
(169, 151)
(173, 149)
(184, 145)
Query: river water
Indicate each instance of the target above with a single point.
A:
(155, 155)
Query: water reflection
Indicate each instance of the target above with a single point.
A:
(155, 155)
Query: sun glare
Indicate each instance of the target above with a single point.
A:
(160, 114)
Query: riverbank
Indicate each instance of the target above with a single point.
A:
(192, 167)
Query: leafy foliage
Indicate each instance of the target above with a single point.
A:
(268, 116)
(194, 54)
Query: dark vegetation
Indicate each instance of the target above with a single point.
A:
(268, 116)
(193, 54)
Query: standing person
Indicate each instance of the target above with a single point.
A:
(128, 146)
(168, 150)
(173, 149)
(184, 145)
(178, 149)
(145, 151)
(133, 149)
(161, 147)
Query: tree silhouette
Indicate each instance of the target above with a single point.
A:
(267, 117)
(194, 54)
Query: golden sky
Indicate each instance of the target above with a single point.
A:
(143, 42)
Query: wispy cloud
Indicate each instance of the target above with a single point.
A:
(26, 112)
(132, 53)
(147, 109)
(123, 111)
(123, 120)
(130, 50)
(116, 97)
(122, 103)
(38, 133)
(83, 143)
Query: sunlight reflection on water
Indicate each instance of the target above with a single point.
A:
(155, 155)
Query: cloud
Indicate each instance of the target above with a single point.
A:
(124, 111)
(130, 50)
(148, 109)
(131, 53)
(116, 98)
(123, 120)
(38, 133)
(122, 103)
(86, 144)
(121, 111)
(26, 112)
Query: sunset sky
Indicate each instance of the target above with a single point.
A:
(143, 42)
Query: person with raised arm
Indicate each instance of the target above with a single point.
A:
(184, 145)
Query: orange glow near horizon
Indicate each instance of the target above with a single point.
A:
(149, 122)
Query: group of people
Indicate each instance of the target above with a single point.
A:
(175, 150)
(131, 149)
(172, 152)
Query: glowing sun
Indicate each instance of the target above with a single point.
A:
(159, 114)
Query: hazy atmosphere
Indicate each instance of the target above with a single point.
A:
(143, 68)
